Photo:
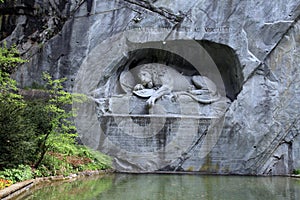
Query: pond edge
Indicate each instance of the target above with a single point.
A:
(18, 188)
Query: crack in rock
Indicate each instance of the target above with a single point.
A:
(176, 166)
(161, 11)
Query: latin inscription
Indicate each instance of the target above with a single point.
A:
(224, 29)
(221, 29)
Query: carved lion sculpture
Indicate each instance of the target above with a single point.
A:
(166, 80)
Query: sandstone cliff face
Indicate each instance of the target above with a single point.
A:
(254, 45)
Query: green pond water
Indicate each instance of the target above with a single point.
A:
(169, 187)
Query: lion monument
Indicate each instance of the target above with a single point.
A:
(156, 80)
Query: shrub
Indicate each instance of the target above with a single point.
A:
(72, 158)
(21, 173)
(296, 171)
(17, 136)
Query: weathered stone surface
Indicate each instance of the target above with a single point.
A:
(254, 46)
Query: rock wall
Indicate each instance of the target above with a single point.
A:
(254, 45)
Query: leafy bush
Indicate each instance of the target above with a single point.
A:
(42, 171)
(17, 136)
(56, 166)
(296, 171)
(22, 173)
(71, 159)
(101, 161)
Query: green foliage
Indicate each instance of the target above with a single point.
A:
(60, 128)
(59, 154)
(9, 59)
(68, 158)
(42, 171)
(100, 161)
(22, 173)
(17, 136)
(296, 171)
(37, 86)
(39, 133)
(56, 166)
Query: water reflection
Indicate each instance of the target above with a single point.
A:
(84, 188)
(166, 187)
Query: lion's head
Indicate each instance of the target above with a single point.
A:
(149, 75)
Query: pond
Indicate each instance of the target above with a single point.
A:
(169, 187)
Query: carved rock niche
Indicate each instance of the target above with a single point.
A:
(158, 111)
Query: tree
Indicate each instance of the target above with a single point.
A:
(16, 131)
(57, 121)
(9, 59)
(29, 129)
